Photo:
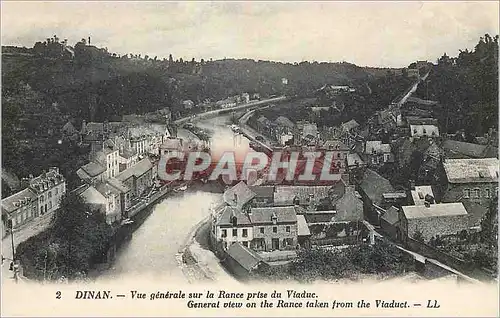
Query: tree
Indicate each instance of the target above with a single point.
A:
(418, 236)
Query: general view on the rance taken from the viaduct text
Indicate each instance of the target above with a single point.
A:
(249, 142)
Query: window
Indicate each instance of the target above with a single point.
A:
(466, 193)
(50, 204)
(424, 131)
(261, 230)
(340, 164)
(50, 194)
(245, 233)
(224, 233)
(57, 191)
(487, 193)
(339, 155)
(275, 229)
(476, 193)
(288, 229)
(235, 232)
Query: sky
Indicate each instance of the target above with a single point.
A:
(379, 34)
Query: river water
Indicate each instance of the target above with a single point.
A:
(153, 251)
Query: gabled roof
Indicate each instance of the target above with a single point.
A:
(244, 256)
(238, 195)
(117, 184)
(136, 170)
(453, 147)
(283, 121)
(92, 196)
(391, 215)
(93, 169)
(265, 215)
(353, 159)
(228, 212)
(471, 170)
(434, 210)
(68, 128)
(351, 124)
(9, 203)
(374, 186)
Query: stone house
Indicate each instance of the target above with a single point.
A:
(138, 178)
(377, 153)
(432, 220)
(275, 228)
(474, 180)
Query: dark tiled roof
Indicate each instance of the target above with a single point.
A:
(93, 169)
(244, 256)
(263, 191)
(374, 185)
(239, 195)
(228, 212)
(264, 215)
(136, 170)
(453, 147)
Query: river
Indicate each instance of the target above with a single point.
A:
(153, 251)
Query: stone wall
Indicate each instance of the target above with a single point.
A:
(433, 226)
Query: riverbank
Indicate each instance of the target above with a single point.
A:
(199, 263)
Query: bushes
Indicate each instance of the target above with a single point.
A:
(76, 240)
(344, 263)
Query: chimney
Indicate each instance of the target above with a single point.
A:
(235, 198)
(89, 40)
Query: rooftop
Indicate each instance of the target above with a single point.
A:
(228, 212)
(13, 202)
(238, 195)
(353, 159)
(434, 210)
(283, 214)
(284, 121)
(471, 170)
(335, 145)
(93, 169)
(244, 256)
(351, 124)
(92, 196)
(391, 215)
(420, 193)
(453, 147)
(136, 170)
(374, 186)
(286, 194)
(263, 191)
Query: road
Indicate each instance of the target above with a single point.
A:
(21, 235)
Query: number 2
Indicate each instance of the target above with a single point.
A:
(58, 295)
